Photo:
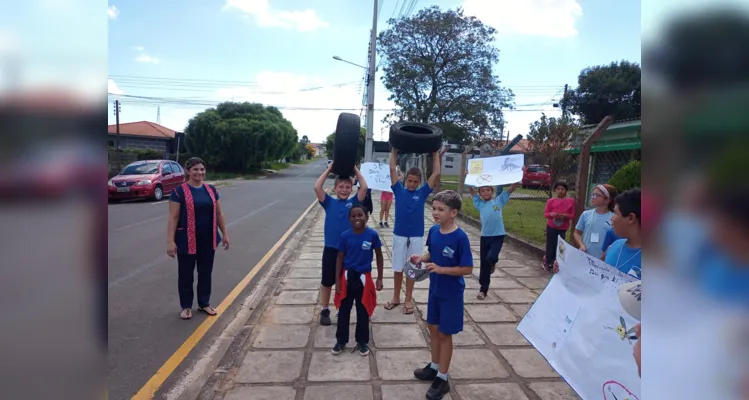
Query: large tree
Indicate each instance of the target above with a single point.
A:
(240, 136)
(602, 90)
(550, 138)
(330, 144)
(438, 66)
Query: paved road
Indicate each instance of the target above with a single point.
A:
(144, 325)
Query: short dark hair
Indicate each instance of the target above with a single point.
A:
(414, 171)
(449, 198)
(630, 202)
(341, 178)
(193, 162)
(562, 184)
(355, 206)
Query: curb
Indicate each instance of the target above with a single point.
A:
(528, 246)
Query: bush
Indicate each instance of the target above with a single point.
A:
(145, 154)
(628, 177)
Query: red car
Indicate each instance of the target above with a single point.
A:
(537, 176)
(151, 179)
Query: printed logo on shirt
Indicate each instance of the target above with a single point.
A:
(496, 207)
(636, 272)
(349, 205)
(366, 245)
(448, 252)
(416, 197)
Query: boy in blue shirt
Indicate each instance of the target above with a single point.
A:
(408, 232)
(492, 230)
(626, 254)
(354, 279)
(336, 222)
(448, 259)
(608, 239)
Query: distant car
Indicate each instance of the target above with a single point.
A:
(537, 176)
(151, 179)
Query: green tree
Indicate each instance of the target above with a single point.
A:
(240, 136)
(304, 140)
(602, 90)
(438, 65)
(627, 177)
(330, 144)
(550, 138)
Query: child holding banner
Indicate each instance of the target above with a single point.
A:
(592, 226)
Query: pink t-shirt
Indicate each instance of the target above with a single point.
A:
(564, 206)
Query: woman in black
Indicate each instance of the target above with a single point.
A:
(195, 216)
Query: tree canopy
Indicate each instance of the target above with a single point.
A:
(438, 65)
(550, 138)
(602, 90)
(240, 136)
(330, 144)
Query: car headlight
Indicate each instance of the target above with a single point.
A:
(144, 182)
(110, 183)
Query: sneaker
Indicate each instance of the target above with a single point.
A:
(425, 374)
(363, 349)
(325, 317)
(494, 268)
(382, 225)
(386, 224)
(481, 296)
(438, 390)
(338, 348)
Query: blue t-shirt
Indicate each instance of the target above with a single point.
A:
(625, 259)
(448, 250)
(358, 249)
(491, 213)
(594, 227)
(409, 210)
(203, 208)
(608, 239)
(336, 218)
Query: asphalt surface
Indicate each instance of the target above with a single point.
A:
(144, 324)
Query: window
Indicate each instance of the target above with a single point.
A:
(176, 168)
(141, 169)
(536, 168)
(166, 169)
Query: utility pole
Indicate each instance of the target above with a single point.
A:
(564, 102)
(117, 135)
(158, 115)
(368, 143)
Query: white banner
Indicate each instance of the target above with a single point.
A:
(495, 171)
(580, 327)
(377, 176)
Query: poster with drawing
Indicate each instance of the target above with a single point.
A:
(495, 171)
(580, 327)
(377, 176)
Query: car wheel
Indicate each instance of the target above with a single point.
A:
(345, 149)
(158, 193)
(414, 137)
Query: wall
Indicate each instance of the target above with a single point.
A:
(139, 143)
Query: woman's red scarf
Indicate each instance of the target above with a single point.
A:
(192, 243)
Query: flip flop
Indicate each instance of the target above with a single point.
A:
(390, 306)
(211, 312)
(186, 314)
(408, 310)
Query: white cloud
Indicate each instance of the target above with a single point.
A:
(283, 89)
(113, 88)
(306, 20)
(9, 42)
(552, 18)
(146, 59)
(113, 12)
(139, 48)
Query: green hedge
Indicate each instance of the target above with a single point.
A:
(628, 177)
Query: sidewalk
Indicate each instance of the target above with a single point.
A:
(287, 354)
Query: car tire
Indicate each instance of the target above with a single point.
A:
(158, 193)
(346, 146)
(414, 137)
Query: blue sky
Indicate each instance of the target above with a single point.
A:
(199, 52)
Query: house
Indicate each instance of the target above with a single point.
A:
(319, 149)
(619, 144)
(145, 135)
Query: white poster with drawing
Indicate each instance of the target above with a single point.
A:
(495, 171)
(377, 176)
(580, 327)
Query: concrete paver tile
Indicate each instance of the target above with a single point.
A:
(468, 337)
(270, 367)
(526, 272)
(297, 297)
(490, 313)
(497, 272)
(523, 296)
(554, 391)
(305, 273)
(339, 392)
(521, 309)
(325, 337)
(281, 337)
(392, 316)
(411, 391)
(307, 264)
(311, 256)
(288, 315)
(504, 334)
(261, 393)
(345, 367)
(397, 335)
(300, 284)
(475, 364)
(490, 391)
(469, 297)
(504, 283)
(528, 363)
(535, 283)
(421, 295)
(398, 365)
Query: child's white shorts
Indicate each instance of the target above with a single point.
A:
(403, 248)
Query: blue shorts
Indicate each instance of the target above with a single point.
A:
(447, 314)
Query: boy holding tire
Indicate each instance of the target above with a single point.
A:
(336, 222)
(408, 232)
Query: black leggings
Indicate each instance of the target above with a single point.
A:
(186, 270)
(552, 239)
(354, 293)
(489, 249)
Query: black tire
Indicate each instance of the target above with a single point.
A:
(158, 193)
(414, 137)
(346, 146)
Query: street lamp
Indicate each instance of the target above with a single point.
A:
(349, 62)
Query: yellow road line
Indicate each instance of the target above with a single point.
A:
(149, 389)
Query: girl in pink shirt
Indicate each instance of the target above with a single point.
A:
(559, 211)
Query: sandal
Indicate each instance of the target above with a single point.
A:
(186, 313)
(481, 296)
(408, 310)
(390, 306)
(208, 310)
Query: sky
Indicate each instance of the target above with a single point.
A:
(179, 57)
